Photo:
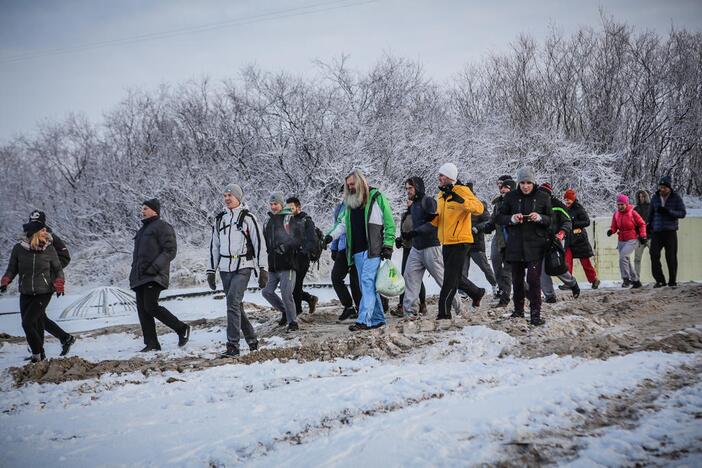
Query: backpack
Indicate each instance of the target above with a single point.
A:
(240, 227)
(318, 245)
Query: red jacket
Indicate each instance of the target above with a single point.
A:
(629, 224)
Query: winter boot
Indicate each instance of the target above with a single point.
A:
(232, 351)
(550, 300)
(443, 317)
(312, 304)
(536, 319)
(626, 283)
(184, 336)
(672, 285)
(66, 345)
(358, 327)
(563, 287)
(283, 321)
(151, 347)
(292, 326)
(253, 346)
(37, 357)
(658, 285)
(596, 284)
(495, 292)
(503, 302)
(517, 314)
(576, 291)
(423, 308)
(636, 285)
(476, 300)
(348, 312)
(397, 311)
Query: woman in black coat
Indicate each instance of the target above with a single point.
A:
(577, 243)
(526, 212)
(36, 262)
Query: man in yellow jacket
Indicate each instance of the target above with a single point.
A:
(456, 204)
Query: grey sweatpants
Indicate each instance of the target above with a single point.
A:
(481, 260)
(503, 272)
(287, 285)
(626, 269)
(419, 261)
(234, 284)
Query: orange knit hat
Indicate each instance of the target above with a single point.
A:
(569, 195)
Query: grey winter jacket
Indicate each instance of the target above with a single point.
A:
(154, 249)
(37, 269)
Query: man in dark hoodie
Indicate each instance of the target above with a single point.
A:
(561, 226)
(503, 272)
(643, 206)
(425, 252)
(302, 260)
(282, 242)
(667, 207)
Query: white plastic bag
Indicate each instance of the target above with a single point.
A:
(389, 282)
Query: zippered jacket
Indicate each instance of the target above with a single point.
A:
(526, 241)
(36, 269)
(283, 240)
(229, 248)
(154, 248)
(454, 215)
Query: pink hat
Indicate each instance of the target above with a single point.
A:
(621, 198)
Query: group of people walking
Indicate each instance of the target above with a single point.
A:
(438, 234)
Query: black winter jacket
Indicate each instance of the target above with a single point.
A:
(480, 224)
(578, 241)
(493, 226)
(423, 210)
(667, 219)
(154, 248)
(526, 241)
(304, 225)
(37, 269)
(283, 240)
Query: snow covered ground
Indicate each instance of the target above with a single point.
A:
(455, 403)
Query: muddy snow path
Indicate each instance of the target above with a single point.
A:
(482, 389)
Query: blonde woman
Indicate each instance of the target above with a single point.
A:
(36, 262)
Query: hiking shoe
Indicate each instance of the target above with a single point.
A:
(636, 285)
(312, 304)
(37, 357)
(672, 285)
(184, 336)
(253, 346)
(626, 283)
(232, 351)
(423, 308)
(377, 325)
(596, 284)
(151, 347)
(551, 300)
(348, 312)
(66, 345)
(397, 311)
(658, 285)
(536, 320)
(443, 317)
(576, 291)
(495, 292)
(563, 287)
(476, 301)
(358, 327)
(292, 326)
(501, 303)
(282, 322)
(517, 314)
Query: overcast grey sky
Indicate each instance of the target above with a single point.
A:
(285, 34)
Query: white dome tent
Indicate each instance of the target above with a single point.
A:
(101, 302)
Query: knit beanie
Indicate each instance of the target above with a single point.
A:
(37, 215)
(667, 181)
(510, 183)
(502, 178)
(621, 198)
(235, 190)
(569, 195)
(277, 197)
(526, 174)
(546, 187)
(449, 170)
(32, 228)
(154, 204)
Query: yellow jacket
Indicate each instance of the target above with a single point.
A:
(453, 219)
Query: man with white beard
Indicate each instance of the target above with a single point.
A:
(368, 224)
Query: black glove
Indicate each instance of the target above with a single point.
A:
(454, 197)
(386, 252)
(328, 239)
(663, 210)
(262, 278)
(334, 253)
(609, 233)
(212, 280)
(446, 189)
(409, 235)
(642, 240)
(398, 242)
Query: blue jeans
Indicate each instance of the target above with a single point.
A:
(371, 310)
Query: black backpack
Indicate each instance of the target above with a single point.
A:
(317, 246)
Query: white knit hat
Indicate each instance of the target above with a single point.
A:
(449, 170)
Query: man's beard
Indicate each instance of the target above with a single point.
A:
(353, 199)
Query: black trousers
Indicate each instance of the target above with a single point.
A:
(533, 279)
(33, 312)
(54, 330)
(339, 271)
(422, 291)
(454, 255)
(303, 266)
(667, 240)
(148, 309)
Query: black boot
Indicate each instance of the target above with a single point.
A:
(312, 304)
(151, 347)
(478, 298)
(517, 314)
(292, 326)
(184, 336)
(232, 351)
(358, 327)
(348, 312)
(66, 345)
(636, 285)
(576, 291)
(535, 318)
